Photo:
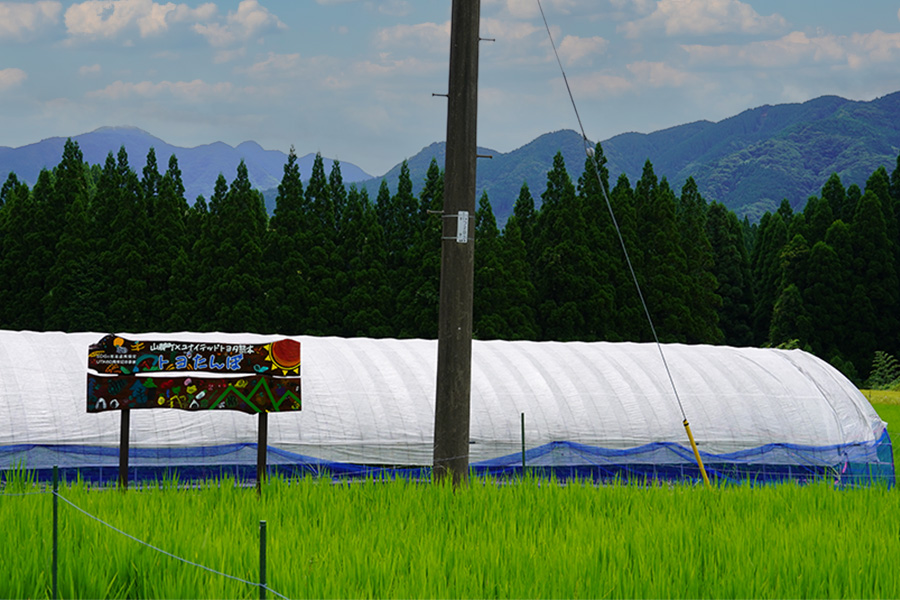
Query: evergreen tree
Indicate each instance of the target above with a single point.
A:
(400, 219)
(731, 269)
(874, 265)
(419, 301)
(169, 269)
(284, 263)
(565, 279)
(703, 303)
(520, 315)
(71, 302)
(661, 271)
(42, 253)
(786, 212)
(338, 193)
(321, 254)
(21, 286)
(604, 255)
(862, 341)
(834, 194)
(150, 182)
(819, 217)
(120, 238)
(10, 186)
(366, 305)
(230, 251)
(895, 181)
(839, 239)
(794, 261)
(524, 216)
(491, 280)
(630, 322)
(790, 320)
(825, 296)
(880, 184)
(766, 267)
(854, 194)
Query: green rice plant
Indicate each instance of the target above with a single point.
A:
(890, 413)
(882, 396)
(401, 539)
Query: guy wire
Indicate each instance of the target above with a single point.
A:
(588, 150)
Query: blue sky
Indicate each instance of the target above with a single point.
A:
(354, 79)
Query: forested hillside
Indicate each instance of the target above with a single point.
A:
(103, 248)
(749, 162)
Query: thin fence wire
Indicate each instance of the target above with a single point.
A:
(160, 550)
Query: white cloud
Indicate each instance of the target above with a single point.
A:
(425, 36)
(877, 46)
(702, 17)
(395, 8)
(192, 91)
(855, 51)
(600, 85)
(575, 50)
(508, 31)
(107, 19)
(251, 21)
(273, 64)
(20, 20)
(529, 9)
(522, 9)
(637, 76)
(405, 67)
(657, 74)
(10, 78)
(224, 56)
(89, 70)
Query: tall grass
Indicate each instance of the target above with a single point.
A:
(407, 540)
(410, 540)
(887, 405)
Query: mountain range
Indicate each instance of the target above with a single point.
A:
(200, 166)
(749, 162)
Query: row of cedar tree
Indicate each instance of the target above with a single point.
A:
(101, 248)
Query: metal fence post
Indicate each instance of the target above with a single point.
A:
(53, 568)
(262, 560)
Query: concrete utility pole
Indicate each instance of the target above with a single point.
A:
(454, 368)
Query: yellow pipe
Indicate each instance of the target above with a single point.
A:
(687, 427)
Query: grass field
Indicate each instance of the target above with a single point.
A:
(407, 540)
(887, 405)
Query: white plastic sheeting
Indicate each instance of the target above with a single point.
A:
(369, 401)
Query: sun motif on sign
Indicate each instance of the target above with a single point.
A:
(285, 356)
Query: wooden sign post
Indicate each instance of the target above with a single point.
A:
(194, 376)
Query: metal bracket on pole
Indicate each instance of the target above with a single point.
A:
(462, 226)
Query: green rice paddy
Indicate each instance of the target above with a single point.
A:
(406, 540)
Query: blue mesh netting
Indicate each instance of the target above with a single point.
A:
(845, 465)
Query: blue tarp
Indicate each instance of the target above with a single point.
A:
(845, 465)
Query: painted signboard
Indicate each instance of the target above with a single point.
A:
(252, 378)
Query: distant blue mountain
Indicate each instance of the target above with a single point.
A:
(748, 162)
(200, 166)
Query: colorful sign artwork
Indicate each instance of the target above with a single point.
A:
(251, 378)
